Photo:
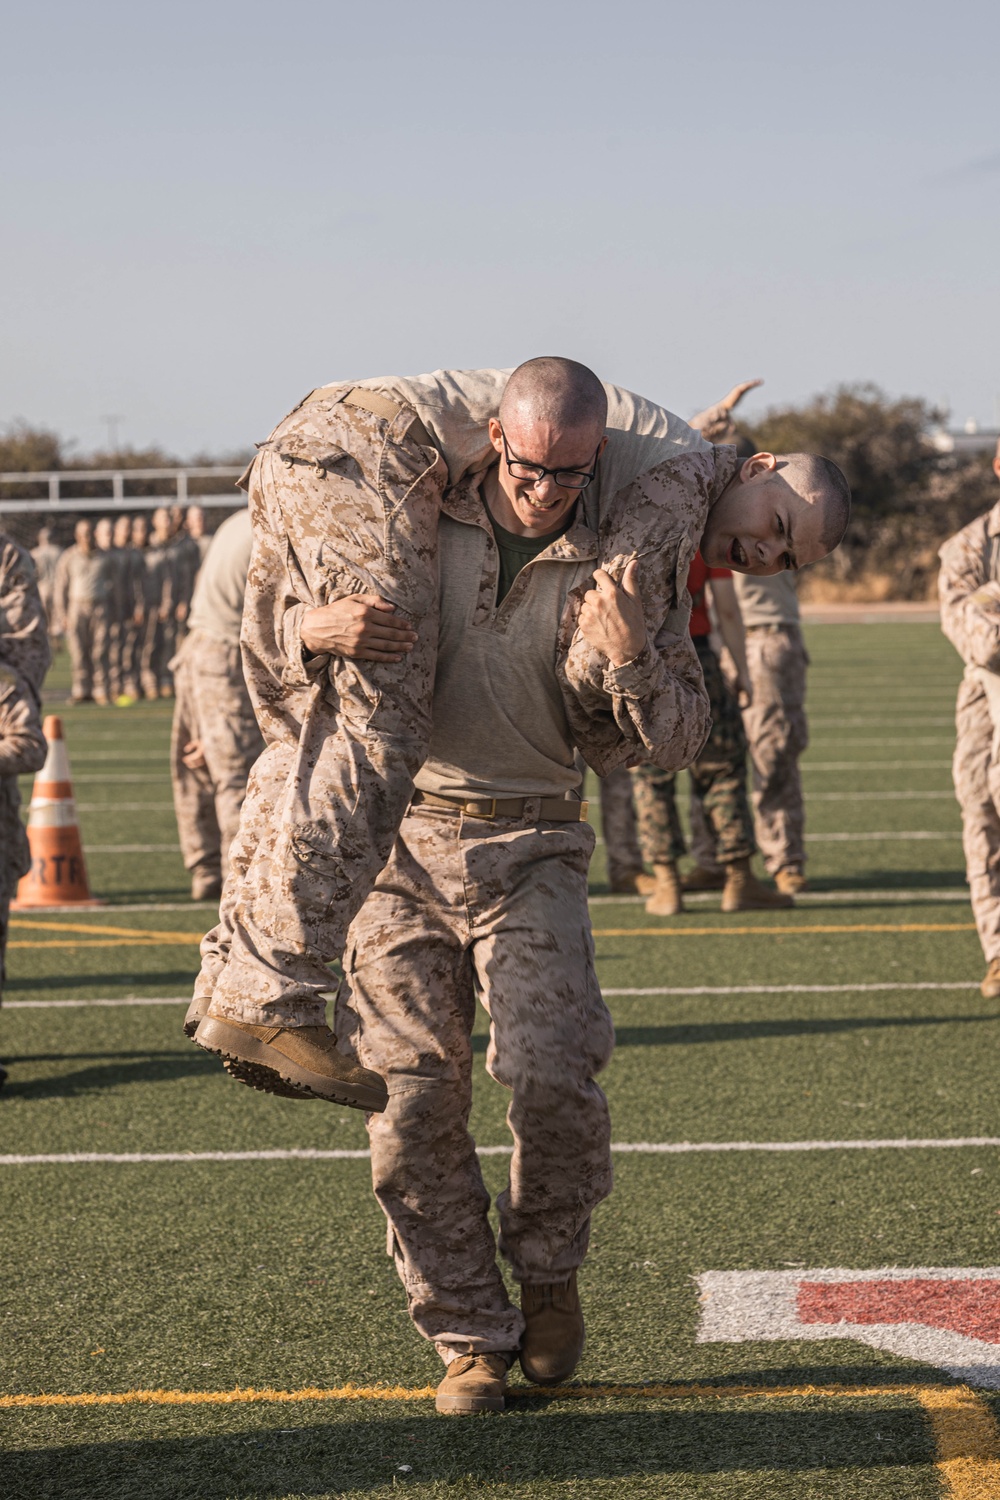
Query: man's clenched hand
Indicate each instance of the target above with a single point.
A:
(611, 616)
(358, 625)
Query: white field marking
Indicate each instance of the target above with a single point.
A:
(893, 739)
(739, 1307)
(879, 837)
(844, 797)
(82, 1004)
(776, 989)
(816, 898)
(639, 1148)
(862, 720)
(869, 765)
(699, 989)
(117, 807)
(119, 776)
(132, 848)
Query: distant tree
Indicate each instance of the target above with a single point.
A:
(908, 497)
(24, 449)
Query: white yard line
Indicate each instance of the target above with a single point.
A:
(637, 1148)
(117, 807)
(820, 898)
(865, 797)
(875, 765)
(877, 837)
(674, 990)
(131, 848)
(890, 739)
(82, 1004)
(797, 989)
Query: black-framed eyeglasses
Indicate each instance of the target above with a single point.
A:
(567, 479)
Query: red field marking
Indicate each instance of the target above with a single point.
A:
(971, 1308)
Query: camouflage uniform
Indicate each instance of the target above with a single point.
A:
(499, 907)
(46, 558)
(621, 840)
(156, 589)
(213, 706)
(24, 660)
(84, 606)
(346, 500)
(718, 780)
(970, 618)
(493, 899)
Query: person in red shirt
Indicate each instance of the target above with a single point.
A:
(718, 776)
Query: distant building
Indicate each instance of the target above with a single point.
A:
(964, 441)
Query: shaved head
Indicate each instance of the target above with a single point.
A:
(821, 481)
(557, 391)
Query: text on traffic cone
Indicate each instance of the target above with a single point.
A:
(58, 874)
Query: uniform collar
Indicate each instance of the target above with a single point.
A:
(464, 502)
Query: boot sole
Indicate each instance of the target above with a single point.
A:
(262, 1067)
(467, 1406)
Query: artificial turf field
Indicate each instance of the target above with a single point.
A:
(223, 1277)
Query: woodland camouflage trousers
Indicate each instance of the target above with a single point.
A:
(496, 908)
(718, 780)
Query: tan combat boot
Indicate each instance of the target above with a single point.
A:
(205, 886)
(791, 881)
(196, 1013)
(473, 1382)
(645, 884)
(294, 1061)
(553, 1331)
(700, 879)
(666, 898)
(990, 987)
(627, 884)
(744, 892)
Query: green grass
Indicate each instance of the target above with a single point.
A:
(206, 1276)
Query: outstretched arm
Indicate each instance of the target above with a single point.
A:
(716, 422)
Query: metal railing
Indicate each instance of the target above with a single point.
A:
(118, 481)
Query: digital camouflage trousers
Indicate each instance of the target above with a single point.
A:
(343, 501)
(496, 909)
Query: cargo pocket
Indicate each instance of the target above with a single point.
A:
(318, 886)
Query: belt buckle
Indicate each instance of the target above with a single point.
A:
(472, 809)
(584, 810)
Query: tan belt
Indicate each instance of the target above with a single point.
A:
(379, 406)
(550, 809)
(771, 628)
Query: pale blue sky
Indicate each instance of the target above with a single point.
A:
(209, 208)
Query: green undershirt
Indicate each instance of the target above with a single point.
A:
(516, 551)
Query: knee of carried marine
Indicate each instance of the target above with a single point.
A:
(778, 511)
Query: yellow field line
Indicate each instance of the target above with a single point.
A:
(967, 1441)
(104, 943)
(102, 927)
(771, 931)
(966, 1435)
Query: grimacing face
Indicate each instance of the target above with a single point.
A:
(761, 525)
(542, 505)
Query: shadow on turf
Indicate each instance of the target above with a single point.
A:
(179, 981)
(528, 1442)
(148, 1067)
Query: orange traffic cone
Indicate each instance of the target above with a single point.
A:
(58, 875)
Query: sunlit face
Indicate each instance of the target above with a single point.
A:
(140, 531)
(761, 525)
(542, 505)
(161, 523)
(195, 522)
(102, 533)
(84, 534)
(123, 529)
